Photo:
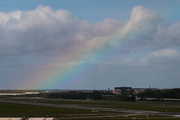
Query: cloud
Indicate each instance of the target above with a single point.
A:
(44, 41)
(139, 29)
(167, 35)
(160, 57)
(146, 30)
(44, 31)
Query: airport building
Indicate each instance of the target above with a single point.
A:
(123, 91)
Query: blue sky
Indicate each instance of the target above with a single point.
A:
(125, 43)
(97, 10)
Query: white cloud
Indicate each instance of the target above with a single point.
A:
(160, 57)
(140, 28)
(45, 31)
(146, 30)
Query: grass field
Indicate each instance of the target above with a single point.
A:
(151, 106)
(15, 109)
(30, 110)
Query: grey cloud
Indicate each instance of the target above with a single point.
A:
(46, 31)
(168, 35)
(164, 57)
(146, 30)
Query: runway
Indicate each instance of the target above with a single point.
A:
(124, 111)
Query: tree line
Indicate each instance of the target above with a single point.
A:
(160, 94)
(95, 95)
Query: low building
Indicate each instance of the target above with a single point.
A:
(141, 90)
(117, 92)
(125, 90)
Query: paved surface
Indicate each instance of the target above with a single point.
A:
(126, 111)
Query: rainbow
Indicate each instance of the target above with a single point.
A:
(67, 76)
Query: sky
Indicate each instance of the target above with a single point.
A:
(89, 44)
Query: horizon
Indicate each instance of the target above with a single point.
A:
(88, 89)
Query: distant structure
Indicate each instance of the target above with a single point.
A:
(117, 92)
(141, 90)
(130, 90)
(123, 91)
(14, 94)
